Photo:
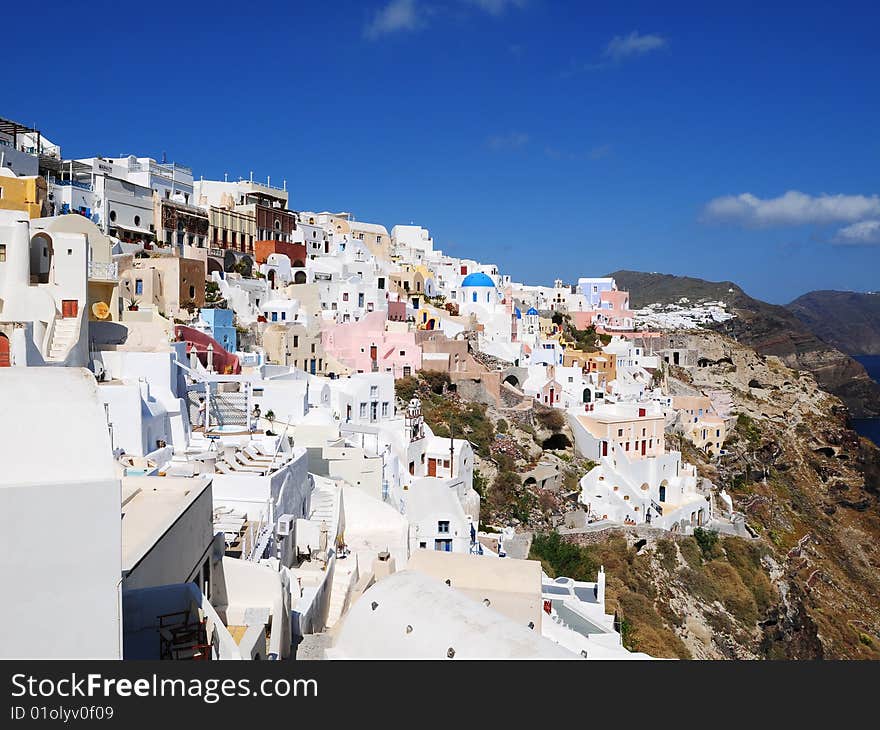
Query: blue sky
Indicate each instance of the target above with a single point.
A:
(555, 139)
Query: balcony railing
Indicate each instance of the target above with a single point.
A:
(103, 271)
(71, 183)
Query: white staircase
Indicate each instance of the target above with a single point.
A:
(344, 577)
(63, 338)
(323, 509)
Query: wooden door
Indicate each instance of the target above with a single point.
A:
(69, 308)
(432, 467)
(5, 360)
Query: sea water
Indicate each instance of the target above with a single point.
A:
(869, 427)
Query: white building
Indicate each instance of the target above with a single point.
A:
(65, 602)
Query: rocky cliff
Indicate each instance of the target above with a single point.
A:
(768, 328)
(807, 585)
(850, 321)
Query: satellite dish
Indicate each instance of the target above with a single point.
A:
(101, 310)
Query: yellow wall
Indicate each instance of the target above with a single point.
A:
(27, 194)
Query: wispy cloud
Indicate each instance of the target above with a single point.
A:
(621, 48)
(396, 16)
(510, 141)
(793, 208)
(600, 151)
(863, 233)
(497, 7)
(400, 16)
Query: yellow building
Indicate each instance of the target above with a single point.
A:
(27, 194)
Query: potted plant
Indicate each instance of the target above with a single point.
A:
(133, 305)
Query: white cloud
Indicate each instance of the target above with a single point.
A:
(602, 150)
(497, 7)
(511, 141)
(397, 15)
(794, 208)
(622, 47)
(863, 233)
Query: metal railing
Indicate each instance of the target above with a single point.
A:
(71, 183)
(103, 270)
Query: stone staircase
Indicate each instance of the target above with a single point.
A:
(344, 578)
(63, 338)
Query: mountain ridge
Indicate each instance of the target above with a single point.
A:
(848, 320)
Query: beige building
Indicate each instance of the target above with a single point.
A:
(511, 587)
(169, 284)
(299, 345)
(635, 430)
(702, 426)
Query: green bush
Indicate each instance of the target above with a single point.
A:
(405, 388)
(501, 426)
(562, 558)
(708, 542)
(748, 429)
(438, 381)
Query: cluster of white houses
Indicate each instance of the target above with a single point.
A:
(213, 374)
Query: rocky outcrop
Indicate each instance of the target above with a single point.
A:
(809, 487)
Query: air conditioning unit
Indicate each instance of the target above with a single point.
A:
(285, 525)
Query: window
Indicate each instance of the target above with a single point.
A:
(192, 292)
(374, 391)
(475, 296)
(423, 544)
(274, 316)
(283, 316)
(443, 545)
(619, 432)
(296, 340)
(137, 220)
(139, 286)
(363, 410)
(345, 296)
(403, 353)
(385, 410)
(381, 282)
(443, 526)
(2, 252)
(112, 215)
(445, 463)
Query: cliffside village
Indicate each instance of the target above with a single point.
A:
(200, 421)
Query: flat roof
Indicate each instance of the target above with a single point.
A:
(151, 505)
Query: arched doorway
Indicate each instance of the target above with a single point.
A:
(271, 278)
(41, 255)
(512, 380)
(662, 495)
(588, 396)
(5, 359)
(299, 277)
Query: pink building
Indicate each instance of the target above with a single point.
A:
(367, 347)
(613, 313)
